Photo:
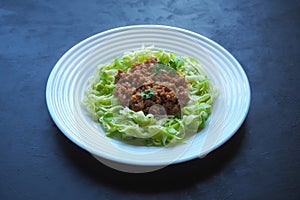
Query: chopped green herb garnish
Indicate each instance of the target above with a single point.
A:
(147, 94)
(163, 67)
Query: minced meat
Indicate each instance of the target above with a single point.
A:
(152, 87)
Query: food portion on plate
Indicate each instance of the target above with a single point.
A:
(150, 97)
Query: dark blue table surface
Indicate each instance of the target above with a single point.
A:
(260, 162)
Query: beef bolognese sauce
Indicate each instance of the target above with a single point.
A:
(152, 87)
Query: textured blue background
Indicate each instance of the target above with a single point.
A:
(261, 161)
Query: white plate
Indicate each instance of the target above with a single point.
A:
(68, 80)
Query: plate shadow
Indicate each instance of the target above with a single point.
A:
(167, 179)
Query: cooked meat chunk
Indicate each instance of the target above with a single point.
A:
(161, 95)
(119, 75)
(151, 88)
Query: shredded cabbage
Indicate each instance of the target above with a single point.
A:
(135, 127)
